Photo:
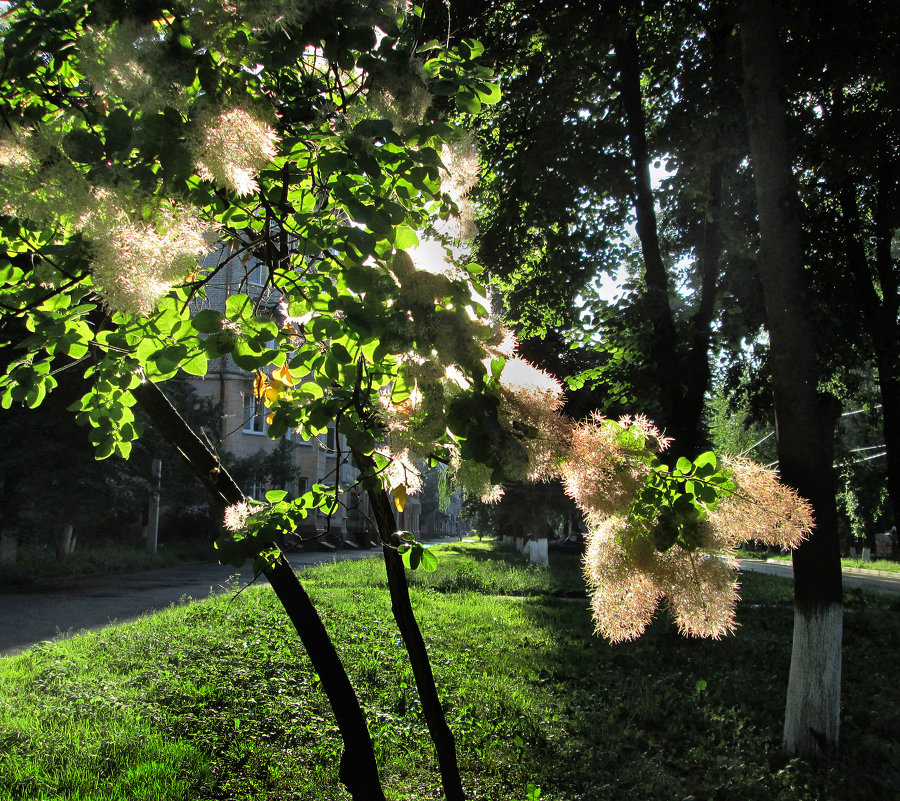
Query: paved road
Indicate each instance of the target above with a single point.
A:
(46, 610)
(877, 580)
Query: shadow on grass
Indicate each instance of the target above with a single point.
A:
(702, 719)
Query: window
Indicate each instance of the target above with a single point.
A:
(327, 439)
(256, 489)
(254, 413)
(258, 274)
(302, 485)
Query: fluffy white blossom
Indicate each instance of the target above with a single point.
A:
(134, 263)
(232, 146)
(236, 516)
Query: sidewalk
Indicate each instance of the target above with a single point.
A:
(853, 577)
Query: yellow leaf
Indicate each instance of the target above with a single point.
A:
(400, 497)
(283, 374)
(259, 385)
(270, 418)
(273, 393)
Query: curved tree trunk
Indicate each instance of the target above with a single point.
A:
(358, 770)
(804, 424)
(663, 352)
(443, 739)
(681, 382)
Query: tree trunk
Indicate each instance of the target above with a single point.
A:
(804, 424)
(443, 739)
(662, 348)
(65, 542)
(358, 770)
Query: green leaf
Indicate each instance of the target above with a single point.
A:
(488, 93)
(83, 146)
(197, 365)
(405, 237)
(274, 496)
(341, 353)
(468, 102)
(207, 321)
(238, 306)
(431, 44)
(429, 561)
(471, 48)
(683, 465)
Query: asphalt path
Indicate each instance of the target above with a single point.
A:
(853, 577)
(47, 610)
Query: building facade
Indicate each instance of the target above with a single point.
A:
(243, 431)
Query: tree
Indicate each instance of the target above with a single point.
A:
(302, 135)
(805, 420)
(593, 99)
(848, 127)
(308, 138)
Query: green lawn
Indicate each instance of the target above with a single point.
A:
(41, 563)
(216, 700)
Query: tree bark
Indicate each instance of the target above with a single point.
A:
(358, 769)
(697, 371)
(804, 423)
(444, 742)
(663, 352)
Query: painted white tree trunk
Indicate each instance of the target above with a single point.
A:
(813, 711)
(538, 552)
(65, 542)
(152, 530)
(520, 544)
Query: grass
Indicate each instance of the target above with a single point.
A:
(40, 563)
(216, 700)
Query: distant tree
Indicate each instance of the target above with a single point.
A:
(596, 100)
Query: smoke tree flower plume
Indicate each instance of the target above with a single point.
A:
(681, 547)
(135, 262)
(232, 146)
(607, 466)
(761, 509)
(236, 516)
(401, 471)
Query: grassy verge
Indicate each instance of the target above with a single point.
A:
(41, 563)
(216, 700)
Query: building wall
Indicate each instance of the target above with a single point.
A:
(240, 435)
